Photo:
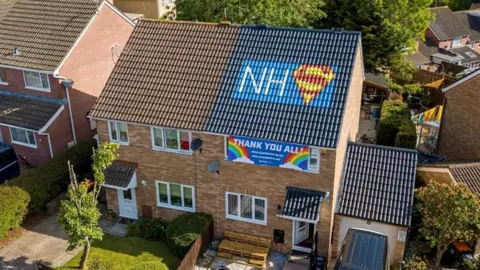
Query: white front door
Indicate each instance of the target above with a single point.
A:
(301, 231)
(127, 203)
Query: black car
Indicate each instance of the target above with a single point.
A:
(9, 167)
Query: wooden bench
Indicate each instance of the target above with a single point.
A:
(247, 239)
(248, 246)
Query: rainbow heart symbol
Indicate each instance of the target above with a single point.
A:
(311, 80)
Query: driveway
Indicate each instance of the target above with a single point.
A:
(45, 241)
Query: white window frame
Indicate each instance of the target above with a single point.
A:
(117, 132)
(169, 204)
(34, 145)
(48, 89)
(164, 141)
(459, 41)
(239, 217)
(3, 82)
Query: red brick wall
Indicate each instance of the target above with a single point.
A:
(459, 138)
(16, 83)
(429, 35)
(91, 62)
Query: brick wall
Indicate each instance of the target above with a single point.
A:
(16, 83)
(459, 138)
(149, 8)
(112, 199)
(91, 62)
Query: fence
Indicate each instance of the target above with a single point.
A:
(199, 246)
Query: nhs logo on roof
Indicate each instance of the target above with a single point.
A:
(286, 83)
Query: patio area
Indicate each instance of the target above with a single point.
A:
(275, 261)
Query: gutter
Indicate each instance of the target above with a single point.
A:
(67, 84)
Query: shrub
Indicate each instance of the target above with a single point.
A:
(13, 206)
(97, 264)
(157, 265)
(184, 230)
(416, 263)
(406, 136)
(46, 182)
(153, 230)
(394, 107)
(388, 129)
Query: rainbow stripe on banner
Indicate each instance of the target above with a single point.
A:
(267, 153)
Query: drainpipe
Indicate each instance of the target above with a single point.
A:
(67, 84)
(49, 143)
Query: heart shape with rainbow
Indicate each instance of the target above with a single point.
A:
(311, 80)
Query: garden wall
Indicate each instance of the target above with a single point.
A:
(195, 251)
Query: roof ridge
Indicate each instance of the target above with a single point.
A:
(189, 22)
(464, 165)
(383, 147)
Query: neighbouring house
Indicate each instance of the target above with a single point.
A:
(152, 9)
(247, 123)
(55, 57)
(376, 194)
(471, 20)
(458, 137)
(453, 172)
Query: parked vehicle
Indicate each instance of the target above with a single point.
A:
(363, 249)
(456, 254)
(9, 167)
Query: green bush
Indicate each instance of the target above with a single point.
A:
(13, 206)
(406, 136)
(97, 264)
(153, 230)
(184, 230)
(46, 182)
(392, 107)
(150, 266)
(388, 129)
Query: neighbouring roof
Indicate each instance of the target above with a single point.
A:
(427, 48)
(462, 80)
(194, 80)
(417, 58)
(43, 31)
(30, 113)
(378, 183)
(5, 6)
(120, 174)
(446, 26)
(471, 20)
(467, 54)
(363, 249)
(376, 78)
(303, 203)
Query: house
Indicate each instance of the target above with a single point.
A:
(152, 9)
(55, 57)
(458, 137)
(376, 194)
(467, 172)
(471, 20)
(267, 111)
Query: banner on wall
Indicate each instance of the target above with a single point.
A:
(267, 153)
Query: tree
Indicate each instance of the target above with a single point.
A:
(389, 28)
(449, 213)
(454, 4)
(79, 214)
(292, 13)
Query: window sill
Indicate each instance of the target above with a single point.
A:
(38, 89)
(3, 83)
(158, 149)
(24, 144)
(192, 210)
(119, 142)
(247, 220)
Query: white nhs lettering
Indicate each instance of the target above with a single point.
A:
(270, 81)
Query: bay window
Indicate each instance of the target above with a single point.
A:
(171, 140)
(246, 208)
(23, 137)
(118, 132)
(175, 196)
(36, 81)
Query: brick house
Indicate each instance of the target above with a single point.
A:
(271, 108)
(458, 137)
(152, 9)
(45, 46)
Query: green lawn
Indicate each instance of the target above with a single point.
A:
(130, 253)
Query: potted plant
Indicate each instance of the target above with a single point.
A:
(110, 214)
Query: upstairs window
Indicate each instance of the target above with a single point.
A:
(36, 81)
(23, 137)
(456, 41)
(118, 132)
(171, 140)
(3, 76)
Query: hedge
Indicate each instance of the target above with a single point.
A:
(46, 182)
(407, 136)
(152, 230)
(395, 127)
(13, 206)
(184, 230)
(388, 129)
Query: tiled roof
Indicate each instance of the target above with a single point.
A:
(376, 78)
(471, 20)
(5, 6)
(43, 31)
(120, 174)
(417, 58)
(378, 183)
(21, 111)
(468, 173)
(303, 203)
(467, 54)
(194, 80)
(446, 26)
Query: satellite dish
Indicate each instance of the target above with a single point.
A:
(196, 145)
(214, 166)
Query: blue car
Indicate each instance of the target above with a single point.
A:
(9, 167)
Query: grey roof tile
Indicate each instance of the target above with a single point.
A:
(378, 183)
(303, 203)
(446, 26)
(471, 20)
(120, 173)
(468, 173)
